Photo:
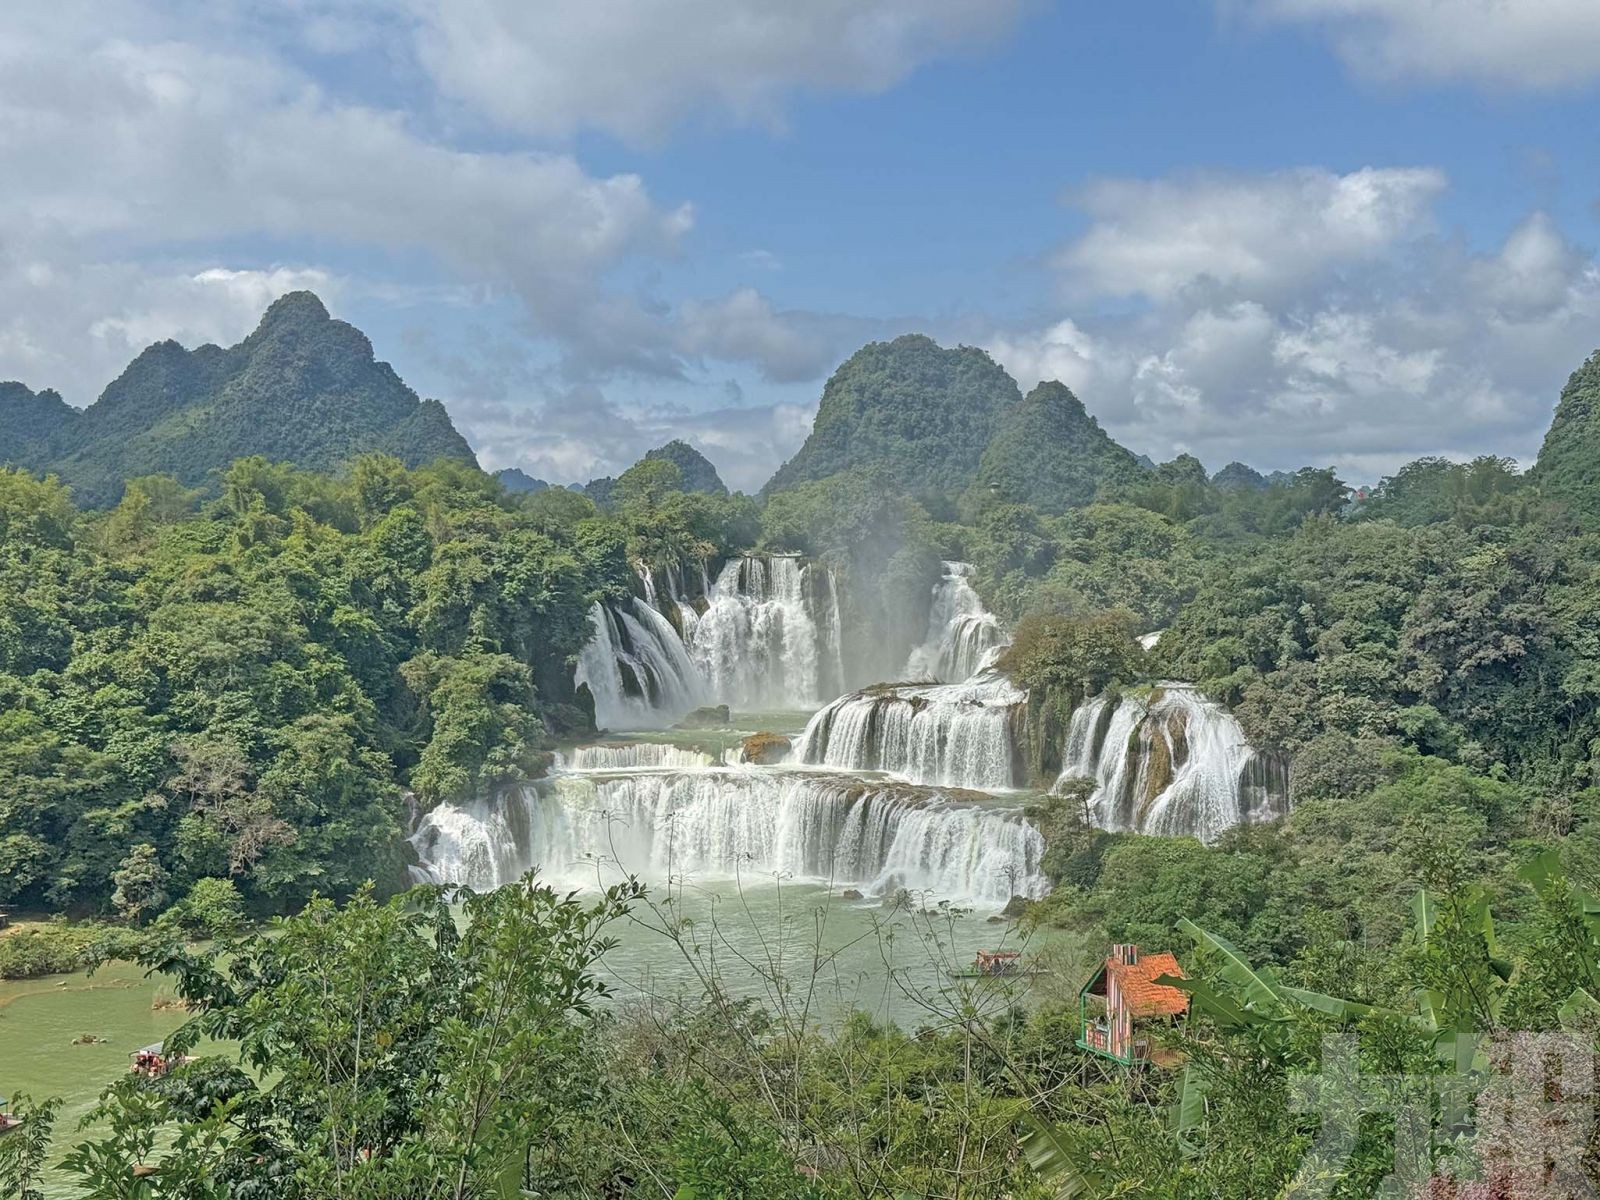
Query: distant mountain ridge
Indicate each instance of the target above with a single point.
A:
(302, 388)
(519, 482)
(947, 421)
(699, 475)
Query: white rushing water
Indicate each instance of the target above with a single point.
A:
(749, 823)
(963, 637)
(637, 669)
(1170, 763)
(769, 637)
(626, 756)
(961, 735)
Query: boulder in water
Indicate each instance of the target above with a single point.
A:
(764, 749)
(1015, 907)
(715, 716)
(850, 894)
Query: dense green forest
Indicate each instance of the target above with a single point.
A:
(213, 702)
(244, 683)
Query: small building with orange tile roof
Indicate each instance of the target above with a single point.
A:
(1122, 1004)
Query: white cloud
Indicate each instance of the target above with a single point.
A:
(159, 147)
(1062, 352)
(637, 67)
(181, 167)
(1158, 237)
(785, 346)
(1379, 343)
(1521, 44)
(216, 305)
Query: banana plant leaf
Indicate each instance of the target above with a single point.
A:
(1256, 989)
(1190, 1110)
(1219, 1006)
(1057, 1157)
(1579, 1009)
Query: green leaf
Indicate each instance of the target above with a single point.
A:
(1256, 988)
(1219, 1006)
(1334, 1006)
(1190, 1109)
(1579, 1005)
(1427, 912)
(1054, 1154)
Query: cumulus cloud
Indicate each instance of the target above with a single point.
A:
(785, 346)
(1522, 44)
(1368, 344)
(637, 67)
(162, 147)
(1257, 233)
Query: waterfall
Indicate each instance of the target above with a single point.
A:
(963, 636)
(1172, 763)
(744, 822)
(637, 669)
(961, 735)
(631, 756)
(770, 635)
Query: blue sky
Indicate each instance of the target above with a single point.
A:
(1344, 232)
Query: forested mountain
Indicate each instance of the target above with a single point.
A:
(1238, 475)
(29, 422)
(303, 388)
(1048, 451)
(695, 473)
(699, 475)
(518, 481)
(920, 413)
(1569, 462)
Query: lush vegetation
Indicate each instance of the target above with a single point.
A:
(241, 688)
(302, 388)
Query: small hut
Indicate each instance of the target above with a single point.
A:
(1122, 1005)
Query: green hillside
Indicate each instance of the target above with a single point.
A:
(921, 413)
(303, 388)
(1569, 462)
(1049, 452)
(699, 475)
(29, 424)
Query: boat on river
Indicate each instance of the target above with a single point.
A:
(999, 964)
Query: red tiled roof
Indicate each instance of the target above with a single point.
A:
(1142, 994)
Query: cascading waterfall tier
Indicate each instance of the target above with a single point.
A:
(766, 635)
(637, 669)
(632, 756)
(770, 635)
(1171, 762)
(963, 637)
(751, 823)
(961, 735)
